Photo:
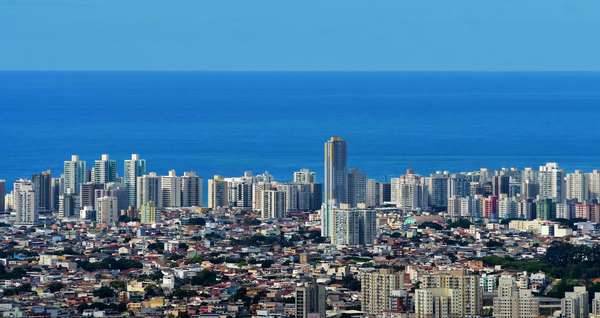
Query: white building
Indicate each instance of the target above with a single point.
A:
(134, 168)
(26, 207)
(107, 210)
(75, 174)
(552, 182)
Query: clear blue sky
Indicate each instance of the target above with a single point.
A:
(303, 35)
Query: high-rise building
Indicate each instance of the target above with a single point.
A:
(459, 184)
(107, 210)
(273, 204)
(58, 189)
(409, 191)
(575, 304)
(311, 300)
(525, 209)
(148, 189)
(384, 190)
(217, 192)
(105, 170)
(42, 185)
(513, 302)
(191, 190)
(354, 227)
(88, 193)
(20, 185)
(552, 182)
(326, 213)
(336, 179)
(546, 209)
(305, 176)
(469, 289)
(75, 174)
(501, 185)
(26, 207)
(149, 213)
(67, 206)
(596, 304)
(357, 187)
(593, 181)
(372, 197)
(2, 194)
(134, 168)
(577, 186)
(507, 208)
(377, 287)
(171, 190)
(490, 207)
(437, 303)
(438, 189)
(120, 194)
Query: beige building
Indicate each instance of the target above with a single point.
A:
(377, 287)
(469, 289)
(513, 302)
(437, 303)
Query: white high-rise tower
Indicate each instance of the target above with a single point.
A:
(134, 168)
(75, 174)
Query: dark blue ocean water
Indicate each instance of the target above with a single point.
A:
(227, 123)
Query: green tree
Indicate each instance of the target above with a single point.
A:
(55, 286)
(104, 292)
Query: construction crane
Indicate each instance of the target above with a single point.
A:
(385, 176)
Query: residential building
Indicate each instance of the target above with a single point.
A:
(336, 180)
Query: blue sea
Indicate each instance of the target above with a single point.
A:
(227, 123)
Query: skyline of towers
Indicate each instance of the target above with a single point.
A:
(336, 166)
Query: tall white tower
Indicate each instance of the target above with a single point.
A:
(75, 174)
(134, 168)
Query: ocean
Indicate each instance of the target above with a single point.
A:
(227, 123)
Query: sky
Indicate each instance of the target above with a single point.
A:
(300, 35)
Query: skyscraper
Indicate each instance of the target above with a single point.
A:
(171, 190)
(148, 189)
(273, 204)
(357, 187)
(311, 300)
(42, 185)
(305, 176)
(217, 192)
(134, 168)
(105, 170)
(2, 194)
(552, 182)
(336, 179)
(376, 289)
(107, 210)
(513, 302)
(191, 190)
(75, 174)
(469, 289)
(26, 207)
(354, 227)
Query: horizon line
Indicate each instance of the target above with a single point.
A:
(285, 71)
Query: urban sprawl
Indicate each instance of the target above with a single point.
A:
(508, 243)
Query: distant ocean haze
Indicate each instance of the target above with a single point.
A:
(227, 123)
